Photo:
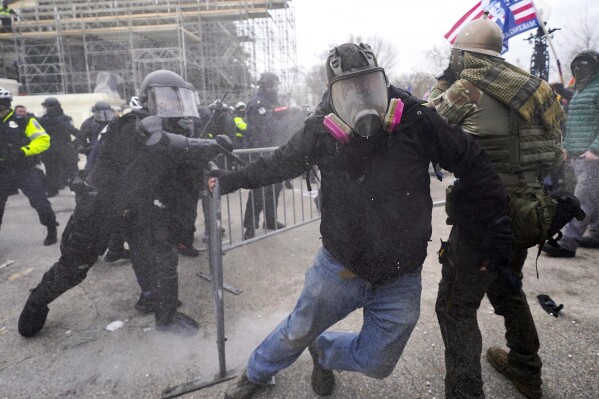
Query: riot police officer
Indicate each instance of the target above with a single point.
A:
(124, 189)
(261, 132)
(91, 127)
(61, 158)
(21, 140)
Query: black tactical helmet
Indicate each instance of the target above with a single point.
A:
(160, 78)
(166, 94)
(268, 79)
(103, 111)
(50, 102)
(349, 57)
(101, 106)
(590, 55)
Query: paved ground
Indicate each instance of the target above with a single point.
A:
(76, 357)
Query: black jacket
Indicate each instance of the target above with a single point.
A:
(376, 203)
(60, 128)
(260, 118)
(88, 134)
(133, 173)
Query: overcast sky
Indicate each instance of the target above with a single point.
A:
(413, 26)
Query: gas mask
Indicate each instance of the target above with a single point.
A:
(362, 107)
(359, 95)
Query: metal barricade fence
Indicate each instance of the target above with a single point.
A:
(295, 205)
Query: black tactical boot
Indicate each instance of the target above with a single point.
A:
(149, 303)
(56, 281)
(177, 323)
(167, 317)
(33, 317)
(52, 236)
(323, 380)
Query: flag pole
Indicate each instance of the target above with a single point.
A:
(542, 24)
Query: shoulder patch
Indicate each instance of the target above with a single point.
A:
(36, 124)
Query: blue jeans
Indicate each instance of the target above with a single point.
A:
(329, 295)
(587, 191)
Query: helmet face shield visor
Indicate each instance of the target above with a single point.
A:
(172, 102)
(104, 115)
(360, 99)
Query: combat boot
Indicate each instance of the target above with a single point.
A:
(33, 316)
(56, 281)
(528, 385)
(149, 303)
(52, 236)
(167, 317)
(323, 380)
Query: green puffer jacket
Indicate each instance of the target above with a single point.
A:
(582, 125)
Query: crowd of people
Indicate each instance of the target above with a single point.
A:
(496, 127)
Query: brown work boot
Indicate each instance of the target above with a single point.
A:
(242, 388)
(529, 386)
(323, 380)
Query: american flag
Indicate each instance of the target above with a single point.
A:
(512, 16)
(522, 10)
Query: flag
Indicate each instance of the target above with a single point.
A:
(512, 16)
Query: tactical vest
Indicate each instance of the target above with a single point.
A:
(516, 147)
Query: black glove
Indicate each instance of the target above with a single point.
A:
(548, 305)
(448, 75)
(496, 249)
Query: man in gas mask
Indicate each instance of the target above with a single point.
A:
(372, 143)
(516, 118)
(123, 192)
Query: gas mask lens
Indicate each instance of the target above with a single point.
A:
(360, 100)
(172, 102)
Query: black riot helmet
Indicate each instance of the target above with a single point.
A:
(52, 106)
(268, 80)
(51, 102)
(166, 94)
(358, 87)
(102, 111)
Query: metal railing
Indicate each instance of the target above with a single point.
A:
(295, 205)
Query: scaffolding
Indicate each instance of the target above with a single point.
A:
(68, 46)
